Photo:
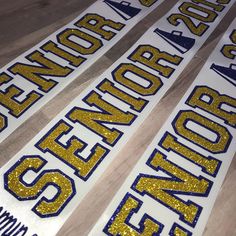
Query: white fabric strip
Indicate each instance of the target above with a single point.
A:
(173, 187)
(46, 180)
(35, 77)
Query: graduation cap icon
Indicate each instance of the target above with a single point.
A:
(177, 40)
(123, 9)
(229, 73)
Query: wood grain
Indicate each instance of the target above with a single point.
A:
(23, 23)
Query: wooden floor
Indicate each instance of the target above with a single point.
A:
(23, 23)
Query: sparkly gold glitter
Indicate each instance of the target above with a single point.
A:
(119, 227)
(25, 192)
(82, 166)
(233, 37)
(155, 57)
(93, 119)
(53, 48)
(33, 73)
(185, 9)
(198, 30)
(3, 123)
(157, 188)
(179, 232)
(99, 26)
(214, 106)
(230, 49)
(155, 82)
(109, 87)
(216, 7)
(46, 208)
(63, 38)
(8, 98)
(170, 142)
(147, 3)
(214, 147)
(223, 1)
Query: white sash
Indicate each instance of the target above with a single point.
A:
(26, 83)
(173, 187)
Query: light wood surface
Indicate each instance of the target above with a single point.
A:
(23, 23)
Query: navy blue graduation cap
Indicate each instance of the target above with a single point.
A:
(177, 40)
(229, 73)
(123, 9)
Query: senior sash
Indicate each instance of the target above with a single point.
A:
(173, 187)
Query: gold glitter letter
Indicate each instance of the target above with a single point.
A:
(53, 48)
(33, 73)
(165, 189)
(155, 56)
(229, 50)
(109, 115)
(223, 1)
(216, 7)
(185, 9)
(221, 142)
(3, 122)
(119, 225)
(147, 3)
(208, 164)
(155, 82)
(135, 103)
(24, 191)
(100, 25)
(69, 153)
(177, 230)
(8, 98)
(94, 43)
(213, 104)
(198, 30)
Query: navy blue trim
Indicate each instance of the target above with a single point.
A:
(175, 151)
(133, 211)
(113, 85)
(172, 192)
(102, 111)
(76, 153)
(20, 92)
(213, 131)
(149, 86)
(160, 59)
(210, 102)
(34, 182)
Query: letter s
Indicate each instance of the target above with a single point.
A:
(16, 185)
